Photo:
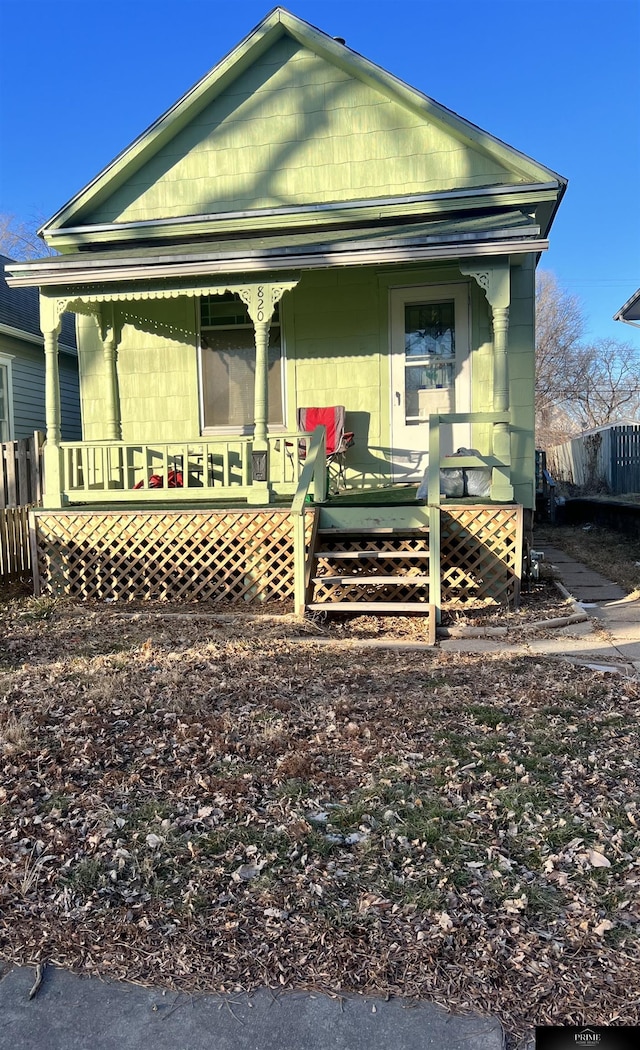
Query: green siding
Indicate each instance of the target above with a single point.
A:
(522, 379)
(157, 374)
(336, 357)
(295, 129)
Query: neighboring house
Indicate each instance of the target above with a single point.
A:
(630, 312)
(22, 367)
(300, 229)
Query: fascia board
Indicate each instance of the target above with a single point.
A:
(88, 276)
(292, 218)
(236, 61)
(37, 340)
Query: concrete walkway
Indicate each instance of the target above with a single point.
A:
(82, 1013)
(608, 639)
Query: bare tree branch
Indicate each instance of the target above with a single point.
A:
(578, 385)
(19, 239)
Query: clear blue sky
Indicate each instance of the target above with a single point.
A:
(557, 79)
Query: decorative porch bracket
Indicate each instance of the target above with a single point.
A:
(494, 278)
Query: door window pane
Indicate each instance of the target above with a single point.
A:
(429, 330)
(429, 342)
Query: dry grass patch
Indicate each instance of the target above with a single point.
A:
(208, 804)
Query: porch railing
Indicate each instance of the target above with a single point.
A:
(95, 471)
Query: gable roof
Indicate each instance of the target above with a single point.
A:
(84, 210)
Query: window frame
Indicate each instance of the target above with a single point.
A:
(6, 366)
(235, 429)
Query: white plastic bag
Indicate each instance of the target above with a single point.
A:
(456, 483)
(478, 481)
(451, 483)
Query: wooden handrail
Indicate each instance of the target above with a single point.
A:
(314, 472)
(315, 458)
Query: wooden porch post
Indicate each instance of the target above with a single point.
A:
(261, 402)
(110, 338)
(494, 277)
(501, 488)
(261, 301)
(51, 311)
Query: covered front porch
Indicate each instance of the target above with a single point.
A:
(262, 516)
(147, 425)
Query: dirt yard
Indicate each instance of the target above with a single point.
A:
(216, 803)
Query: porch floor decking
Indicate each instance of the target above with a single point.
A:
(391, 495)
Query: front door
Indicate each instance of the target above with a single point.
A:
(430, 372)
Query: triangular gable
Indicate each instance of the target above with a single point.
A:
(290, 118)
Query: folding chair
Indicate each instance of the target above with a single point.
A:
(337, 439)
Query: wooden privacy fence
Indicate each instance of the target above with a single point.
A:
(625, 460)
(20, 471)
(15, 555)
(605, 460)
(20, 487)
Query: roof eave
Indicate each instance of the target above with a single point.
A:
(630, 312)
(320, 257)
(344, 213)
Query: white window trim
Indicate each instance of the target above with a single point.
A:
(5, 362)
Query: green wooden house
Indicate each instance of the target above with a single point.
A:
(300, 229)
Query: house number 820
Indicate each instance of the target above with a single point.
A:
(260, 313)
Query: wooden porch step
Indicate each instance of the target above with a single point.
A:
(371, 554)
(374, 580)
(360, 569)
(382, 531)
(423, 608)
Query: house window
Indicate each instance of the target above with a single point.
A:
(228, 364)
(5, 399)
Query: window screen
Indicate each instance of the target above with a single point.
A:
(228, 364)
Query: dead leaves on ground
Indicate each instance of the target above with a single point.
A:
(205, 802)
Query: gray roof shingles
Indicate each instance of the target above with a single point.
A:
(19, 308)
